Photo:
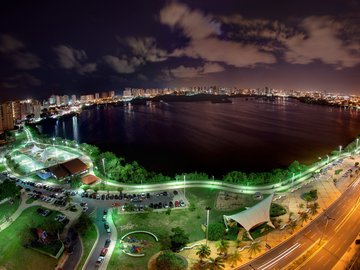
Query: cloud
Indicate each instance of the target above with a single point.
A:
(313, 38)
(122, 65)
(193, 22)
(10, 44)
(23, 80)
(205, 42)
(191, 72)
(26, 60)
(321, 41)
(70, 58)
(142, 77)
(145, 47)
(14, 50)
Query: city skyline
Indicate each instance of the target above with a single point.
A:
(75, 49)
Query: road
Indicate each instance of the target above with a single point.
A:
(101, 241)
(336, 228)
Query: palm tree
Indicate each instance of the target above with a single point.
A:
(234, 258)
(292, 226)
(314, 208)
(120, 189)
(222, 247)
(237, 242)
(203, 252)
(301, 206)
(216, 264)
(303, 218)
(254, 248)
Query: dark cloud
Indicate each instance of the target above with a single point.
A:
(70, 58)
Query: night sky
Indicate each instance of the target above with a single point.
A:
(78, 47)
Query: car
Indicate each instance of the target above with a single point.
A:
(83, 204)
(98, 196)
(103, 196)
(182, 204)
(175, 192)
(116, 197)
(108, 231)
(27, 189)
(177, 204)
(105, 211)
(104, 217)
(171, 204)
(106, 225)
(148, 195)
(85, 209)
(103, 252)
(99, 261)
(107, 243)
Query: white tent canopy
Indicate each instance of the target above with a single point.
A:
(256, 215)
(35, 149)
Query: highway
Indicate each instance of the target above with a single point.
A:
(335, 229)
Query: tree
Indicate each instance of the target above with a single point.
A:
(303, 218)
(222, 247)
(96, 189)
(120, 190)
(203, 252)
(86, 187)
(314, 207)
(216, 264)
(83, 223)
(8, 189)
(292, 226)
(234, 258)
(216, 231)
(167, 260)
(178, 239)
(254, 248)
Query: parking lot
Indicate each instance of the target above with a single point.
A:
(142, 201)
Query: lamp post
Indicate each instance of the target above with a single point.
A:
(184, 185)
(328, 159)
(103, 163)
(340, 148)
(357, 142)
(326, 224)
(292, 180)
(207, 223)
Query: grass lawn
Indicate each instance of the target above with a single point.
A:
(13, 255)
(119, 260)
(88, 240)
(161, 224)
(7, 209)
(2, 167)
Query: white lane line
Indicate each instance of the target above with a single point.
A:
(279, 257)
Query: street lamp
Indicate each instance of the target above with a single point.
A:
(328, 158)
(357, 142)
(207, 223)
(340, 148)
(184, 185)
(292, 180)
(327, 222)
(103, 163)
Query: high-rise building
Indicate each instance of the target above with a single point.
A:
(97, 96)
(73, 99)
(16, 110)
(104, 95)
(6, 116)
(111, 94)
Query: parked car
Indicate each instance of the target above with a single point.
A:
(107, 243)
(103, 252)
(99, 261)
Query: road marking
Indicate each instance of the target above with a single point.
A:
(338, 227)
(279, 257)
(319, 259)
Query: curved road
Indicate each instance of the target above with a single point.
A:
(336, 228)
